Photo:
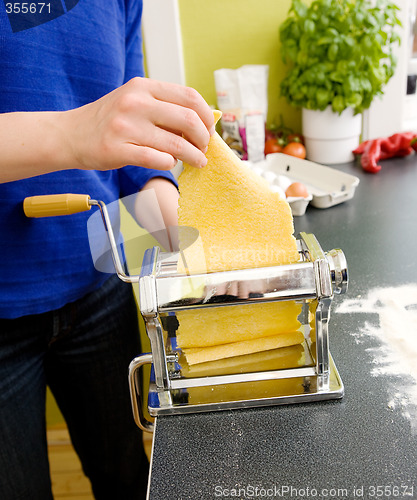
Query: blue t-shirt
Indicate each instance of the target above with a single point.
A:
(62, 64)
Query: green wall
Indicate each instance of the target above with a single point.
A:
(230, 33)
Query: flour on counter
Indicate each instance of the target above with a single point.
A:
(396, 308)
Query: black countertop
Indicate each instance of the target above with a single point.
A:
(333, 449)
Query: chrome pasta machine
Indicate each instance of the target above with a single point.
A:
(303, 372)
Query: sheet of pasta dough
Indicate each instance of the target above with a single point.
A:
(196, 355)
(242, 224)
(274, 359)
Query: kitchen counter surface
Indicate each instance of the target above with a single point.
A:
(333, 449)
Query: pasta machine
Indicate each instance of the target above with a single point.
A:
(307, 372)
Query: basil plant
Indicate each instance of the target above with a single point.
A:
(339, 52)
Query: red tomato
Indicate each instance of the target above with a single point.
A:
(295, 138)
(272, 146)
(295, 149)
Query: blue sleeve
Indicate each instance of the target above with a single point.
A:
(132, 179)
(134, 53)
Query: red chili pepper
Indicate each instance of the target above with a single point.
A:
(396, 142)
(400, 153)
(361, 148)
(372, 151)
(370, 156)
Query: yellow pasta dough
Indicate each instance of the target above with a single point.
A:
(242, 224)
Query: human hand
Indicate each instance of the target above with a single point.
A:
(144, 122)
(156, 209)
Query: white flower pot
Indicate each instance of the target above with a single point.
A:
(330, 138)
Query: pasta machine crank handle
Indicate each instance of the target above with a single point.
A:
(53, 205)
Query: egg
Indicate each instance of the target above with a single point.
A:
(283, 182)
(277, 189)
(257, 170)
(269, 176)
(296, 190)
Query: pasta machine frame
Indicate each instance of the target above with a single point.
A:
(314, 279)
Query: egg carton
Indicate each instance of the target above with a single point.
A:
(326, 186)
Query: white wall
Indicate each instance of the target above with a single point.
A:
(163, 41)
(395, 111)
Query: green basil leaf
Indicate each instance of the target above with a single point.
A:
(338, 52)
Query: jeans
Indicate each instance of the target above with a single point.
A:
(82, 351)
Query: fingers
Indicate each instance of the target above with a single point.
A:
(147, 157)
(183, 96)
(146, 123)
(176, 118)
(167, 117)
(178, 147)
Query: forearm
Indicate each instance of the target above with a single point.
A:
(157, 211)
(143, 122)
(33, 143)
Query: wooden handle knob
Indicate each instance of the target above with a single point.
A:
(56, 204)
